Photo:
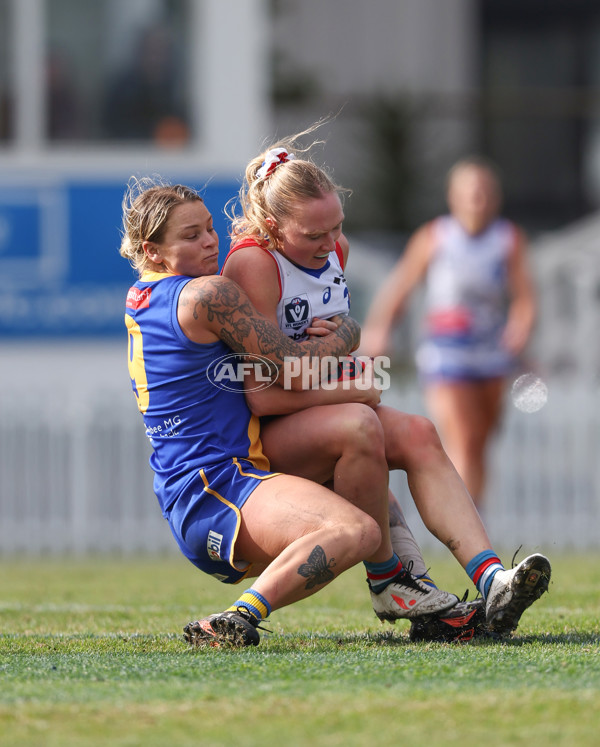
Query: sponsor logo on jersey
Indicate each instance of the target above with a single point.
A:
(213, 545)
(138, 298)
(296, 311)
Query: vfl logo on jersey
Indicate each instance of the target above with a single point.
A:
(213, 545)
(296, 311)
(138, 299)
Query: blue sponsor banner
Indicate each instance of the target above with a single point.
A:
(62, 274)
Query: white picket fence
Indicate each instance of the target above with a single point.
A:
(74, 475)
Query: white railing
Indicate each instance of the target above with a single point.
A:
(74, 475)
(544, 473)
(76, 479)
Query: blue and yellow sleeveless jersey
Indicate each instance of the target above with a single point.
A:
(191, 423)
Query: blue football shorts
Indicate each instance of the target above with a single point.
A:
(448, 360)
(205, 519)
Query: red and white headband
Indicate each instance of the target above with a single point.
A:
(272, 160)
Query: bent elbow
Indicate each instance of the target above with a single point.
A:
(256, 404)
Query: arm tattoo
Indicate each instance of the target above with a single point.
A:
(316, 568)
(244, 330)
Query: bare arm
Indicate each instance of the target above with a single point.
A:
(522, 307)
(391, 299)
(274, 400)
(214, 307)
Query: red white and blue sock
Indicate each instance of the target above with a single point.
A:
(381, 575)
(254, 602)
(482, 569)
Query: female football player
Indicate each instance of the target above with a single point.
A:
(288, 254)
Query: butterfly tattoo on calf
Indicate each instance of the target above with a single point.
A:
(316, 569)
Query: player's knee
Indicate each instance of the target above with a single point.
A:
(356, 532)
(362, 537)
(362, 430)
(423, 441)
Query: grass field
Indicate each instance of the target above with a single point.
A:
(91, 654)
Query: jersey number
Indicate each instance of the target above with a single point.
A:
(135, 362)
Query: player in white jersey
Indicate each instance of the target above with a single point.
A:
(292, 208)
(305, 293)
(480, 310)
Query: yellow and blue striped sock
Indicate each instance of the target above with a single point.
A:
(254, 602)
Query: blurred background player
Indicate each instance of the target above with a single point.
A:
(480, 310)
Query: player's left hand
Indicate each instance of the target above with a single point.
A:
(323, 327)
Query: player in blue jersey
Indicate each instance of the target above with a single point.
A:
(479, 313)
(231, 515)
(286, 238)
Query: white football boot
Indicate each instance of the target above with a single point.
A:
(408, 597)
(513, 591)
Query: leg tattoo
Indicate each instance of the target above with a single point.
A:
(316, 569)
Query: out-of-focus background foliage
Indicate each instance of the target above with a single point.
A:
(92, 92)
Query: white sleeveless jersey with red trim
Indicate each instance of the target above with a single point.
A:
(466, 300)
(466, 285)
(305, 294)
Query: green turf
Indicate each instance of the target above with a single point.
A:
(91, 654)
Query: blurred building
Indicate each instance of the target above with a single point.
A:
(90, 94)
(421, 82)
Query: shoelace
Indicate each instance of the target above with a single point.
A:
(409, 567)
(514, 557)
(247, 615)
